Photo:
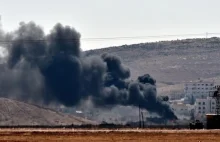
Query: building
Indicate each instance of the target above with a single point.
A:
(181, 109)
(203, 107)
(176, 96)
(197, 101)
(198, 90)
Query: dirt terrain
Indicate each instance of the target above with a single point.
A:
(18, 113)
(109, 136)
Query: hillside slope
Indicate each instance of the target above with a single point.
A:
(170, 62)
(18, 113)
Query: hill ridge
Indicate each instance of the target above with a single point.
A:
(14, 112)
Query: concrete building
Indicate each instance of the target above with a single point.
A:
(181, 109)
(198, 90)
(197, 101)
(203, 107)
(176, 96)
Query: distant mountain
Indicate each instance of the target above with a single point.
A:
(170, 62)
(18, 113)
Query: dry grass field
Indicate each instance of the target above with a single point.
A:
(43, 135)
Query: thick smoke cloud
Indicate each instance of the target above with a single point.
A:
(50, 68)
(24, 46)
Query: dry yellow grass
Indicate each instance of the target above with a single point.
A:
(42, 135)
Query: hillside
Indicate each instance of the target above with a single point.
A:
(171, 63)
(17, 113)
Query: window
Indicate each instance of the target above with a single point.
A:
(213, 103)
(206, 84)
(203, 107)
(199, 103)
(203, 111)
(199, 107)
(199, 111)
(203, 103)
(213, 108)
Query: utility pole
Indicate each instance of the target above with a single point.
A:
(206, 35)
(0, 22)
(142, 117)
(1, 30)
(139, 116)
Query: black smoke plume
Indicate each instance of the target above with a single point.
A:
(50, 68)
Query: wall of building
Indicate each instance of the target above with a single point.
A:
(199, 89)
(182, 109)
(176, 96)
(203, 107)
(198, 94)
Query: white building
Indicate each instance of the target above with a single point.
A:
(181, 109)
(176, 96)
(204, 106)
(199, 90)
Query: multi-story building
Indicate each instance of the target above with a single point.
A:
(197, 100)
(198, 90)
(203, 107)
(176, 96)
(182, 109)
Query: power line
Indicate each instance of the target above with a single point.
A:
(141, 37)
(110, 38)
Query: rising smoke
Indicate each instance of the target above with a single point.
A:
(50, 68)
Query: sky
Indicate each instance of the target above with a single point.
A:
(116, 18)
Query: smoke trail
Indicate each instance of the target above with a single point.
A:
(50, 68)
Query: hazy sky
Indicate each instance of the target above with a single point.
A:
(116, 18)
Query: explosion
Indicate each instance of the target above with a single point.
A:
(51, 68)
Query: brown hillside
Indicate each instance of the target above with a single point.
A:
(18, 113)
(170, 62)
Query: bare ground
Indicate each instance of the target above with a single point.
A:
(109, 135)
(18, 113)
(171, 63)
